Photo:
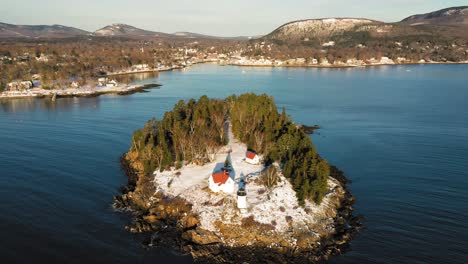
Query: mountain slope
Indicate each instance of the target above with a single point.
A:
(445, 24)
(123, 30)
(455, 16)
(318, 28)
(39, 31)
(127, 31)
(203, 36)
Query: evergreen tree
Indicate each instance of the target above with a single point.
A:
(193, 129)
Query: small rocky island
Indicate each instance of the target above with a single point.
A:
(235, 180)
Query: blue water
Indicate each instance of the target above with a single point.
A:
(399, 133)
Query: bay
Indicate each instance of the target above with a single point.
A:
(400, 133)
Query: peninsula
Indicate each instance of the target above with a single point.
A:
(120, 89)
(235, 180)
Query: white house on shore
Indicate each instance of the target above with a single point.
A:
(221, 182)
(252, 158)
(111, 83)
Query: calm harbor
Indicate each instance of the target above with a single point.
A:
(398, 132)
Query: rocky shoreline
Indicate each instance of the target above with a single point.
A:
(343, 65)
(170, 221)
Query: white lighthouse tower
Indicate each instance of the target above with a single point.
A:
(242, 200)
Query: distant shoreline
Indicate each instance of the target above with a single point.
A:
(346, 66)
(125, 89)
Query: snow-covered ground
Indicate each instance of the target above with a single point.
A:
(196, 177)
(277, 206)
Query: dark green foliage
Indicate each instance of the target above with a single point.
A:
(191, 132)
(255, 120)
(194, 130)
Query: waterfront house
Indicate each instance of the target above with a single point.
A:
(12, 86)
(26, 84)
(111, 83)
(140, 67)
(221, 182)
(300, 61)
(252, 157)
(74, 84)
(212, 56)
(36, 83)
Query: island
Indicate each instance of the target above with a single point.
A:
(235, 180)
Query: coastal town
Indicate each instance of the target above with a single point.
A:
(92, 66)
(27, 88)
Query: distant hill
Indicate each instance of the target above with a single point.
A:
(39, 31)
(444, 24)
(9, 31)
(202, 36)
(123, 30)
(456, 16)
(317, 28)
(127, 31)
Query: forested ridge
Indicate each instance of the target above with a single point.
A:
(193, 132)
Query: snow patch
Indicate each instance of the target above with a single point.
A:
(278, 205)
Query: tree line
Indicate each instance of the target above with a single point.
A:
(194, 131)
(256, 121)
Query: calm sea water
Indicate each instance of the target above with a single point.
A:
(399, 133)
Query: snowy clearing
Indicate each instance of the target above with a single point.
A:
(277, 207)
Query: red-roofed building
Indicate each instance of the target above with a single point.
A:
(221, 182)
(252, 158)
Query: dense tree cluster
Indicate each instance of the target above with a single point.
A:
(256, 121)
(192, 132)
(195, 130)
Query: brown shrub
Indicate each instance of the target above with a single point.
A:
(249, 222)
(270, 177)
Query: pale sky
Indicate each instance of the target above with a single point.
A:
(213, 17)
